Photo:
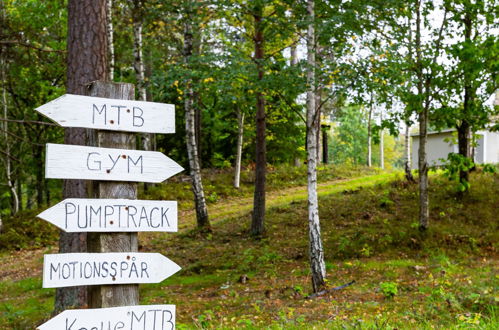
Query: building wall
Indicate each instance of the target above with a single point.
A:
(436, 148)
(492, 147)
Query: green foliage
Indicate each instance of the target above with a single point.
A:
(457, 163)
(25, 231)
(389, 289)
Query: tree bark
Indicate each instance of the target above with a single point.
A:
(113, 295)
(316, 251)
(239, 151)
(381, 144)
(325, 146)
(258, 216)
(407, 165)
(369, 133)
(464, 128)
(5, 128)
(110, 37)
(87, 62)
(190, 128)
(424, 213)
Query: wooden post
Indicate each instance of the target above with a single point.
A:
(113, 295)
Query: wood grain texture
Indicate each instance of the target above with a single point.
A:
(160, 317)
(113, 215)
(71, 110)
(127, 294)
(71, 269)
(109, 164)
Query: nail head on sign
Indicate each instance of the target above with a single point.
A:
(108, 171)
(111, 121)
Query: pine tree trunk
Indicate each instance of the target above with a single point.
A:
(87, 62)
(258, 216)
(316, 251)
(239, 151)
(190, 129)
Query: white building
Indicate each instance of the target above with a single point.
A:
(440, 144)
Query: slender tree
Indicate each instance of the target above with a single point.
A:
(190, 126)
(316, 251)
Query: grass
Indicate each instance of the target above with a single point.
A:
(445, 278)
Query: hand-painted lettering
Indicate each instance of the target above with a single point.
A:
(138, 120)
(102, 110)
(96, 165)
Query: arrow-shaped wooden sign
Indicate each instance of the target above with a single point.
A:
(152, 317)
(72, 269)
(110, 114)
(91, 163)
(112, 215)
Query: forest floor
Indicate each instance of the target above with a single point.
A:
(445, 278)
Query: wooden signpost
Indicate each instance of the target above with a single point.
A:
(72, 269)
(154, 317)
(113, 219)
(110, 114)
(112, 215)
(90, 163)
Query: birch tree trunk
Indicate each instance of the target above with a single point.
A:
(316, 251)
(407, 165)
(110, 37)
(258, 216)
(8, 162)
(190, 129)
(369, 134)
(239, 151)
(424, 213)
(381, 144)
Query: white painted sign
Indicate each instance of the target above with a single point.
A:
(152, 317)
(112, 215)
(72, 269)
(110, 114)
(91, 163)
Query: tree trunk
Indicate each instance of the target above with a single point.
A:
(37, 152)
(110, 37)
(407, 165)
(424, 213)
(192, 151)
(258, 216)
(369, 133)
(316, 251)
(239, 151)
(325, 146)
(87, 62)
(464, 129)
(113, 295)
(5, 128)
(381, 144)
